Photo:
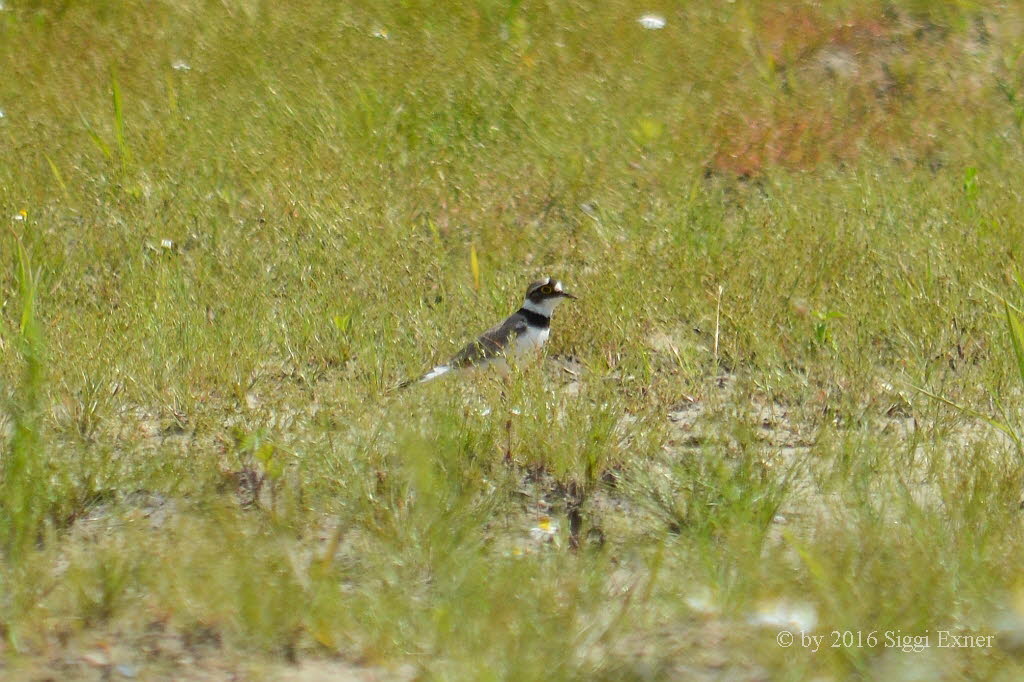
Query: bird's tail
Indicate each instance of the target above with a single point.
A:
(438, 371)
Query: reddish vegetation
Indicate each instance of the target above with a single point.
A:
(834, 92)
(796, 140)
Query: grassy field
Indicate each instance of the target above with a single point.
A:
(788, 400)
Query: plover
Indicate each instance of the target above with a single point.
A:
(524, 330)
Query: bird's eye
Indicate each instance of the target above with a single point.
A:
(546, 289)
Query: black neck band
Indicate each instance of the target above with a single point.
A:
(535, 319)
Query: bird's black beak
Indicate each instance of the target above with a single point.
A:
(566, 294)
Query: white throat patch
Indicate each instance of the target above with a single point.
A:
(545, 307)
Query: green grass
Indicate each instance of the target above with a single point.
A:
(228, 230)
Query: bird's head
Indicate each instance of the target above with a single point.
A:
(544, 295)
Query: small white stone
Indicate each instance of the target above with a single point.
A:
(181, 65)
(702, 601)
(652, 22)
(97, 659)
(783, 614)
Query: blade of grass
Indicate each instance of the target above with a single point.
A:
(97, 140)
(1016, 338)
(57, 176)
(122, 145)
(474, 266)
(1002, 426)
(172, 97)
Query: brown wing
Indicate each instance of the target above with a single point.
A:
(491, 343)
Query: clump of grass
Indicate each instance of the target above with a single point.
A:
(1005, 418)
(24, 486)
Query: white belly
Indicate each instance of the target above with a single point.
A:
(531, 339)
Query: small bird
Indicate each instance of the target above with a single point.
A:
(524, 330)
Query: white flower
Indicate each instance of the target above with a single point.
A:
(181, 65)
(652, 22)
